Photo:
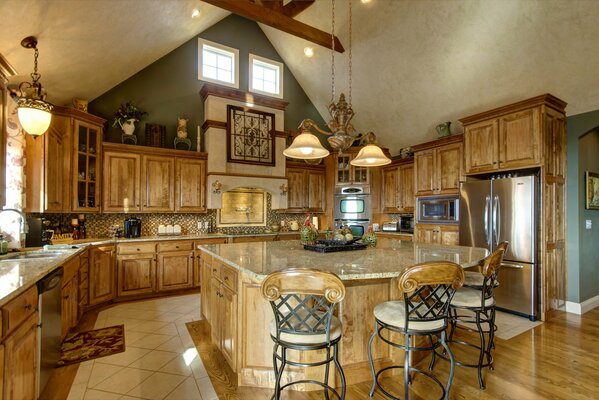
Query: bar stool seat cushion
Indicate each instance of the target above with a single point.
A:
(299, 338)
(473, 278)
(394, 313)
(471, 298)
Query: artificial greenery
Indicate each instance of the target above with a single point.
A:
(125, 112)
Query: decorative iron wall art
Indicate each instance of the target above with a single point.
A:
(250, 136)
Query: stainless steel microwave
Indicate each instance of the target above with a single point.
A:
(438, 209)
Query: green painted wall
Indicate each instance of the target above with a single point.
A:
(169, 88)
(582, 244)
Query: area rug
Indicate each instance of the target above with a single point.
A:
(508, 325)
(88, 345)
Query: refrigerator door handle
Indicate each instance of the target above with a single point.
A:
(515, 266)
(487, 205)
(495, 219)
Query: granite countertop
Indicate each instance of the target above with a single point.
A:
(387, 260)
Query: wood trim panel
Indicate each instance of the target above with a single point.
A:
(544, 99)
(6, 70)
(211, 89)
(77, 114)
(439, 142)
(246, 175)
(146, 150)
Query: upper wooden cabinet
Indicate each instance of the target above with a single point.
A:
(438, 166)
(121, 188)
(347, 173)
(190, 185)
(158, 183)
(306, 187)
(58, 175)
(147, 179)
(398, 187)
(504, 139)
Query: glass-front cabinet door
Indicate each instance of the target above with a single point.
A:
(343, 169)
(87, 167)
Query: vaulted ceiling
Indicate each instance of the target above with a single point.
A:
(415, 63)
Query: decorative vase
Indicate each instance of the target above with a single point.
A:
(128, 126)
(443, 129)
(369, 238)
(308, 235)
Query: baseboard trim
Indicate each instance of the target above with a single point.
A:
(581, 308)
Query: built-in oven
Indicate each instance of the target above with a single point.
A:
(438, 209)
(358, 227)
(352, 203)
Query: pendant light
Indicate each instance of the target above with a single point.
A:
(32, 109)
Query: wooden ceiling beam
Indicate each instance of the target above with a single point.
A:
(276, 5)
(278, 21)
(294, 7)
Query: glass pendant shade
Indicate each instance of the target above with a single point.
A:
(370, 156)
(306, 146)
(34, 120)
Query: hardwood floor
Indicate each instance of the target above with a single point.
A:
(556, 360)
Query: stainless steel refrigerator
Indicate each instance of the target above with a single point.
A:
(492, 211)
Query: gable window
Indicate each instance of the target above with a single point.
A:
(218, 63)
(266, 76)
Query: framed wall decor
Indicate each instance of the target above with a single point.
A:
(250, 136)
(592, 190)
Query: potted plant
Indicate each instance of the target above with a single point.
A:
(126, 116)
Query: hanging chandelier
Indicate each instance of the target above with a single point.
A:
(32, 108)
(341, 133)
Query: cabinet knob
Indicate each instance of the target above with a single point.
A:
(213, 269)
(138, 249)
(28, 306)
(176, 247)
(226, 278)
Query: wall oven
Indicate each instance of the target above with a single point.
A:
(358, 227)
(352, 203)
(438, 209)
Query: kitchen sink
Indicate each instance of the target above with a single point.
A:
(32, 255)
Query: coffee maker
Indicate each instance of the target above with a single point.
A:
(132, 227)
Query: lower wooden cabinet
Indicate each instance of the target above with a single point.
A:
(206, 273)
(136, 274)
(175, 270)
(20, 361)
(437, 234)
(69, 306)
(102, 282)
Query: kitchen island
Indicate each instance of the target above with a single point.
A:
(239, 317)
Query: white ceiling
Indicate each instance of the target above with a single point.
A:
(416, 63)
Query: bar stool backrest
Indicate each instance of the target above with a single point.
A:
(428, 289)
(489, 268)
(303, 300)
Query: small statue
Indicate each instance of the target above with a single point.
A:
(182, 128)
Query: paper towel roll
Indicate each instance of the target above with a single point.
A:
(315, 222)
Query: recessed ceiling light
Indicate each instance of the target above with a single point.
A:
(366, 1)
(308, 51)
(195, 13)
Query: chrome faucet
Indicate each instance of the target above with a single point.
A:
(24, 226)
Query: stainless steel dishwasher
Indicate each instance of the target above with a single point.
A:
(49, 341)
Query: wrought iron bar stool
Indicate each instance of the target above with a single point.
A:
(474, 279)
(303, 301)
(480, 304)
(427, 290)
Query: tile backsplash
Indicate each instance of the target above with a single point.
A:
(97, 225)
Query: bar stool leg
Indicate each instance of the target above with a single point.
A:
(338, 365)
(279, 372)
(451, 364)
(491, 339)
(376, 331)
(434, 356)
(481, 354)
(407, 378)
(326, 374)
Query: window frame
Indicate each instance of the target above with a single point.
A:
(222, 48)
(264, 60)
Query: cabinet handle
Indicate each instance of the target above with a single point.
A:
(227, 278)
(213, 269)
(218, 293)
(64, 297)
(138, 249)
(176, 247)
(28, 307)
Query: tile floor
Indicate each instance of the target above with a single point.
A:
(160, 360)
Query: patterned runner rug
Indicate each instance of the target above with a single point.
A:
(88, 345)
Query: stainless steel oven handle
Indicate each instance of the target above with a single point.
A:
(486, 219)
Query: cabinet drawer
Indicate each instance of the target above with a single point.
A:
(215, 270)
(229, 277)
(175, 246)
(136, 248)
(16, 311)
(219, 240)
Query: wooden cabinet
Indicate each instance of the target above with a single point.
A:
(223, 315)
(200, 259)
(102, 282)
(87, 165)
(306, 188)
(136, 273)
(68, 306)
(190, 185)
(20, 361)
(438, 166)
(121, 188)
(253, 238)
(398, 187)
(437, 234)
(347, 173)
(206, 293)
(158, 183)
(142, 179)
(83, 281)
(506, 142)
(175, 270)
